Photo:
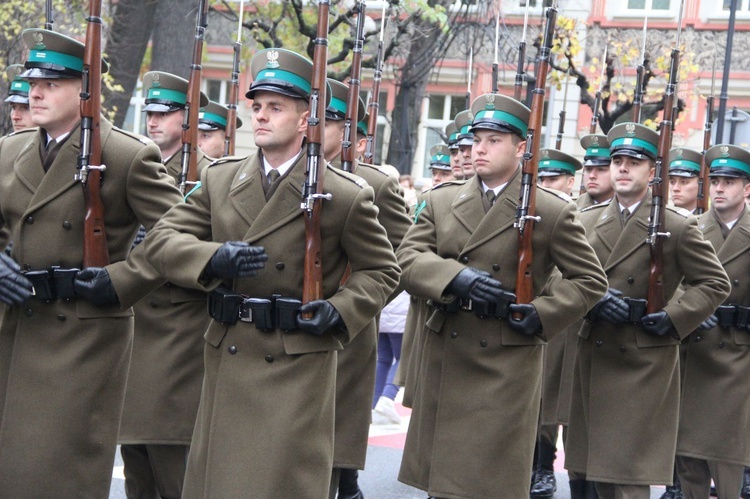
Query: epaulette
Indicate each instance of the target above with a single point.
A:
(556, 193)
(680, 211)
(593, 207)
(25, 130)
(140, 138)
(225, 159)
(361, 183)
(445, 184)
(373, 167)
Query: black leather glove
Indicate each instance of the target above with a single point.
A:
(611, 308)
(14, 287)
(477, 285)
(658, 323)
(711, 322)
(325, 316)
(530, 324)
(94, 285)
(235, 259)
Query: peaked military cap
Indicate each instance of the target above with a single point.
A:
(728, 161)
(452, 133)
(166, 92)
(18, 89)
(500, 113)
(684, 162)
(463, 125)
(634, 140)
(553, 163)
(362, 124)
(284, 72)
(597, 150)
(214, 117)
(339, 97)
(440, 157)
(53, 55)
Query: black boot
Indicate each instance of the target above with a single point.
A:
(544, 484)
(673, 491)
(589, 490)
(746, 484)
(348, 486)
(577, 489)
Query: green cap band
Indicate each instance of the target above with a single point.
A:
(19, 86)
(598, 152)
(338, 105)
(630, 141)
(441, 159)
(684, 164)
(731, 163)
(218, 119)
(51, 57)
(166, 94)
(550, 164)
(453, 138)
(280, 74)
(465, 131)
(497, 115)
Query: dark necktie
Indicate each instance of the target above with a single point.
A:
(47, 149)
(273, 176)
(269, 187)
(624, 215)
(489, 196)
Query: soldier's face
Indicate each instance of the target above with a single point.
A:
(598, 182)
(630, 176)
(211, 142)
(683, 191)
(440, 176)
(54, 104)
(334, 134)
(20, 116)
(496, 156)
(728, 194)
(165, 129)
(279, 122)
(456, 161)
(467, 164)
(562, 183)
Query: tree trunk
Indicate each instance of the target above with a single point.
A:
(128, 38)
(173, 36)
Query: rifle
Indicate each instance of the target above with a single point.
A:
(312, 193)
(189, 172)
(598, 100)
(50, 21)
(639, 78)
(520, 74)
(561, 124)
(468, 84)
(495, 66)
(656, 227)
(374, 105)
(526, 210)
(90, 168)
(352, 98)
(234, 89)
(702, 205)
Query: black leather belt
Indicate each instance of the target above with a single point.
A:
(733, 316)
(228, 307)
(499, 309)
(53, 284)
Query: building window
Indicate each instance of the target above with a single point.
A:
(742, 5)
(217, 90)
(438, 111)
(662, 5)
(535, 3)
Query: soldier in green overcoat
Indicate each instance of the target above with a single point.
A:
(64, 359)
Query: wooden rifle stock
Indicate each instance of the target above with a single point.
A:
(189, 172)
(373, 107)
(312, 195)
(526, 211)
(352, 98)
(95, 250)
(234, 90)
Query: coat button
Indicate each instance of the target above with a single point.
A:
(280, 266)
(465, 259)
(29, 220)
(495, 267)
(67, 225)
(232, 349)
(483, 343)
(153, 304)
(697, 338)
(599, 343)
(29, 312)
(61, 317)
(631, 280)
(736, 282)
(622, 348)
(454, 334)
(269, 358)
(26, 266)
(721, 344)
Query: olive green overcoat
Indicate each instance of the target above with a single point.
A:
(476, 405)
(265, 424)
(63, 365)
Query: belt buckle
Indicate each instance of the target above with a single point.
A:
(245, 312)
(465, 304)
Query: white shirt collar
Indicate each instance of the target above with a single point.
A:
(284, 167)
(497, 189)
(631, 208)
(57, 139)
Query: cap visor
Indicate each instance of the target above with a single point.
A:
(49, 74)
(630, 153)
(682, 173)
(160, 108)
(17, 99)
(207, 127)
(267, 87)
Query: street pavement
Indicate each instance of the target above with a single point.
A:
(380, 479)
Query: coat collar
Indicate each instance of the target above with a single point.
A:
(736, 243)
(622, 242)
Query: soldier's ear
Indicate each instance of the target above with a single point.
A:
(303, 121)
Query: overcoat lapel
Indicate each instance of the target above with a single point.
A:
(632, 237)
(61, 174)
(738, 241)
(499, 218)
(28, 167)
(711, 231)
(246, 192)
